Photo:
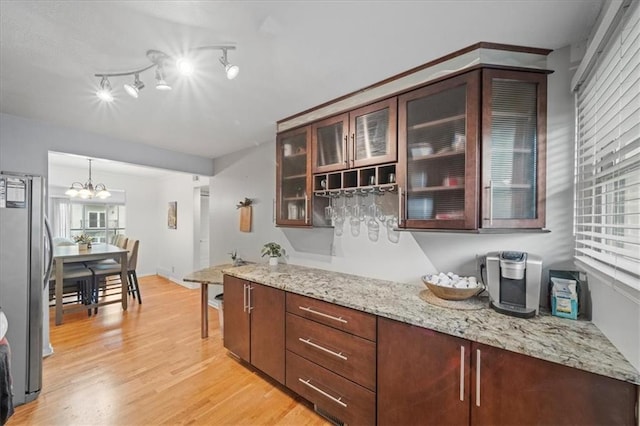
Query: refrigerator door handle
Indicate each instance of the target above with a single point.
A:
(47, 273)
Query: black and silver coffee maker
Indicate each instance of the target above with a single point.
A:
(513, 281)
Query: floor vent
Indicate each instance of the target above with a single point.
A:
(334, 420)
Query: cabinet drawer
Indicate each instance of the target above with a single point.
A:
(345, 319)
(342, 398)
(345, 354)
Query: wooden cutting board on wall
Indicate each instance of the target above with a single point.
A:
(245, 219)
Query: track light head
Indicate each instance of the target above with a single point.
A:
(230, 69)
(161, 84)
(104, 93)
(134, 89)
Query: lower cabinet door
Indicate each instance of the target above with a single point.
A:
(510, 388)
(423, 376)
(267, 330)
(236, 317)
(341, 398)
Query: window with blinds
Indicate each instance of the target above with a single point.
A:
(607, 206)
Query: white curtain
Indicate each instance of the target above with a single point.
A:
(60, 216)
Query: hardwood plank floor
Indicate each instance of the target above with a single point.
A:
(149, 366)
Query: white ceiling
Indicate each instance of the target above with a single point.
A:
(292, 56)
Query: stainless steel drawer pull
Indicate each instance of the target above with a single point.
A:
(329, 351)
(461, 373)
(320, 391)
(478, 363)
(339, 319)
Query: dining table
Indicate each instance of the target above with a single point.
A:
(65, 255)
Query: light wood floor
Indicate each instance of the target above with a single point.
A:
(149, 366)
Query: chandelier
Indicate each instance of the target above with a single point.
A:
(87, 190)
(161, 61)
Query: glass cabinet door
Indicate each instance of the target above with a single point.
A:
(438, 149)
(373, 134)
(293, 192)
(513, 146)
(330, 139)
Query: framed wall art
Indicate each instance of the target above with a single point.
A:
(172, 217)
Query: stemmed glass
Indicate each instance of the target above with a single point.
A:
(375, 210)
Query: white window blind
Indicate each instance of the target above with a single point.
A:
(607, 206)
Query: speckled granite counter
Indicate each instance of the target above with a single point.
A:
(577, 344)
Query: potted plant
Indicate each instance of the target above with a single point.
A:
(83, 240)
(274, 251)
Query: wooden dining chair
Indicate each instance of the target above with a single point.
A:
(77, 280)
(108, 274)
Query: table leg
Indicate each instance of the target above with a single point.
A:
(59, 264)
(124, 279)
(204, 307)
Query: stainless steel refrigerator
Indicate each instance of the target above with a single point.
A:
(25, 265)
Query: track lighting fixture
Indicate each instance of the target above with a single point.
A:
(164, 64)
(134, 89)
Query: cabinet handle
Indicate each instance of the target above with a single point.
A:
(345, 151)
(339, 319)
(477, 377)
(491, 202)
(249, 307)
(461, 373)
(322, 348)
(273, 212)
(306, 208)
(400, 217)
(353, 149)
(244, 298)
(321, 392)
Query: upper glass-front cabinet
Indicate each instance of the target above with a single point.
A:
(513, 149)
(438, 139)
(362, 137)
(293, 192)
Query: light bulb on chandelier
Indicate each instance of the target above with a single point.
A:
(163, 62)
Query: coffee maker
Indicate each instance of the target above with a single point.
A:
(513, 282)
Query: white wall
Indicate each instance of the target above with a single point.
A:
(251, 173)
(176, 254)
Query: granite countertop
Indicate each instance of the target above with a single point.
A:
(211, 275)
(578, 344)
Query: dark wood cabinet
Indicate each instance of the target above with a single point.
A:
(362, 137)
(331, 358)
(472, 152)
(423, 376)
(510, 388)
(254, 325)
(293, 177)
(426, 377)
(514, 128)
(236, 319)
(438, 161)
